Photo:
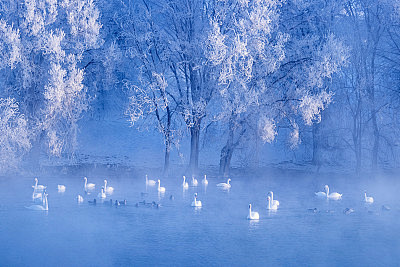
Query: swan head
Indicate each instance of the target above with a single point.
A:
(195, 195)
(249, 206)
(105, 181)
(84, 178)
(184, 178)
(326, 187)
(158, 181)
(36, 179)
(229, 180)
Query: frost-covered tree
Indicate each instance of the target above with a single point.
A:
(43, 49)
(367, 25)
(269, 73)
(167, 38)
(14, 134)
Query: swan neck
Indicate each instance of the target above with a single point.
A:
(46, 204)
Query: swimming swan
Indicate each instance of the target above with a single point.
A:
(45, 205)
(150, 182)
(194, 181)
(61, 188)
(38, 187)
(226, 185)
(205, 181)
(321, 194)
(196, 203)
(271, 206)
(36, 195)
(253, 215)
(160, 188)
(185, 185)
(79, 198)
(334, 195)
(88, 186)
(108, 189)
(368, 199)
(102, 194)
(274, 202)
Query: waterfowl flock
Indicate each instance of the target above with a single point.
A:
(39, 195)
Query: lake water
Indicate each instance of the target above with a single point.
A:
(218, 234)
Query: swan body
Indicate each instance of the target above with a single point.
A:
(45, 205)
(88, 186)
(271, 206)
(102, 194)
(108, 189)
(61, 188)
(226, 185)
(185, 185)
(273, 201)
(205, 181)
(253, 215)
(368, 199)
(79, 198)
(348, 211)
(194, 181)
(334, 195)
(38, 187)
(150, 182)
(196, 203)
(160, 188)
(36, 195)
(322, 194)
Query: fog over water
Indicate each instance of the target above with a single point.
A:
(216, 234)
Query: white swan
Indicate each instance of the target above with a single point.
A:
(196, 203)
(102, 194)
(150, 182)
(108, 189)
(79, 198)
(368, 199)
(160, 188)
(271, 206)
(61, 188)
(273, 201)
(322, 194)
(334, 195)
(185, 185)
(205, 181)
(226, 185)
(38, 187)
(45, 205)
(194, 181)
(88, 186)
(37, 195)
(253, 215)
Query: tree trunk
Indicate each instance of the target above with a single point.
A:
(375, 149)
(194, 148)
(316, 159)
(166, 159)
(225, 160)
